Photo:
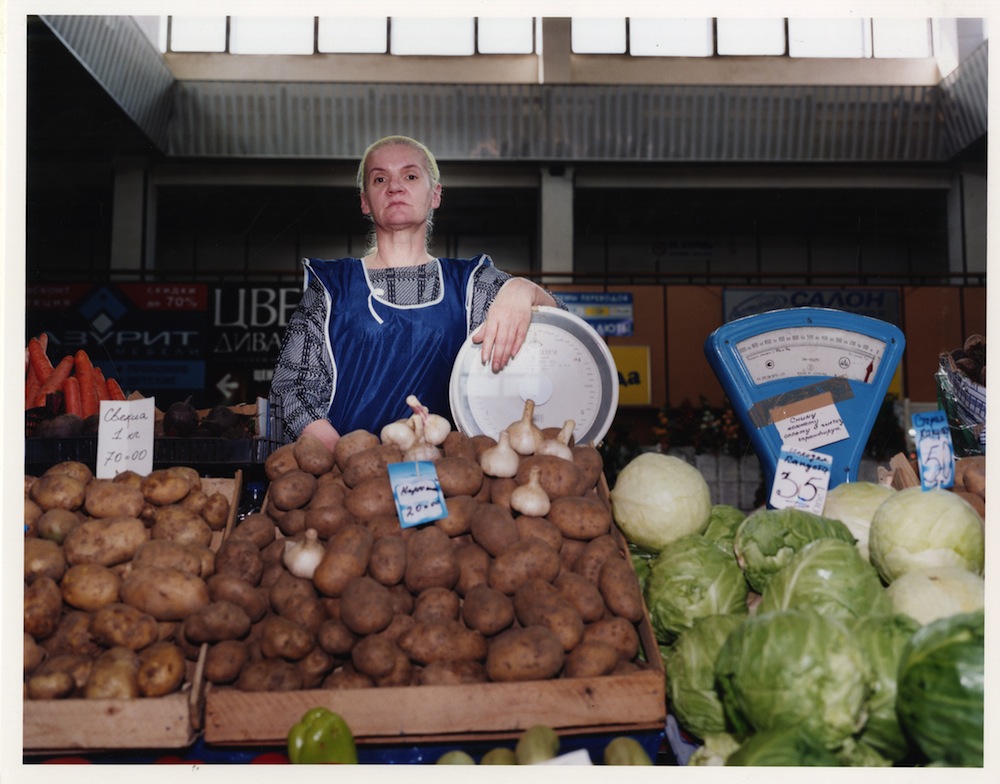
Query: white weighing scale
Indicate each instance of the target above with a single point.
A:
(564, 366)
(785, 370)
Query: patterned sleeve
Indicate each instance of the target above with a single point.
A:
(488, 282)
(303, 377)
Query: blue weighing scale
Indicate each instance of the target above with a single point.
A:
(783, 367)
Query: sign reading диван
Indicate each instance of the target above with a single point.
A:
(878, 303)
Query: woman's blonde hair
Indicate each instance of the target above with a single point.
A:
(432, 169)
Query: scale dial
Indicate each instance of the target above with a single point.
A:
(811, 350)
(564, 366)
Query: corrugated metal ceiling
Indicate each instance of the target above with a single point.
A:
(659, 123)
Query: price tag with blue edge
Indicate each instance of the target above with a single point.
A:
(935, 452)
(416, 490)
(801, 480)
(125, 437)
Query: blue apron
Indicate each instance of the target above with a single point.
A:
(383, 352)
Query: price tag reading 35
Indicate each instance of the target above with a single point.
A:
(801, 480)
(125, 437)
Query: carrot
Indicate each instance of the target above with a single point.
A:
(39, 360)
(71, 394)
(102, 385)
(59, 374)
(115, 391)
(88, 387)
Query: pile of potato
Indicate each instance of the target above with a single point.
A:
(113, 568)
(483, 594)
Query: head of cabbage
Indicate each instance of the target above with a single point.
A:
(692, 578)
(794, 669)
(937, 592)
(854, 504)
(916, 528)
(723, 521)
(768, 538)
(658, 498)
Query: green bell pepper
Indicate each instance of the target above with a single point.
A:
(321, 737)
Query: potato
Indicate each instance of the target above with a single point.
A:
(459, 476)
(459, 517)
(524, 654)
(166, 594)
(617, 632)
(436, 604)
(89, 587)
(76, 665)
(365, 606)
(493, 528)
(34, 654)
(398, 626)
(329, 492)
(387, 563)
(215, 622)
(970, 475)
(582, 594)
(619, 586)
(50, 686)
(286, 588)
(114, 676)
(430, 560)
(314, 667)
(590, 462)
(312, 456)
(216, 511)
(374, 656)
(307, 611)
(195, 501)
(225, 660)
(325, 520)
(73, 468)
(501, 489)
(457, 444)
(347, 677)
(33, 514)
(257, 528)
(163, 487)
(401, 673)
(284, 639)
(591, 659)
(107, 541)
(487, 610)
(523, 560)
(280, 461)
(452, 673)
(240, 557)
(269, 675)
(346, 556)
(292, 490)
(42, 607)
(473, 567)
(178, 524)
(442, 641)
(168, 554)
(162, 668)
(593, 556)
(58, 491)
(335, 638)
(558, 477)
(129, 478)
(402, 599)
(384, 526)
(370, 498)
(370, 463)
(253, 600)
(188, 474)
(105, 498)
(72, 636)
(583, 517)
(540, 527)
(537, 603)
(43, 558)
(55, 523)
(123, 625)
(351, 443)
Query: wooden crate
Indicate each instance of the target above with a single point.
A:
(619, 704)
(171, 722)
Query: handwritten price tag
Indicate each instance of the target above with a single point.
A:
(125, 437)
(935, 451)
(417, 493)
(801, 480)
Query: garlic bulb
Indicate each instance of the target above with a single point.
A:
(559, 446)
(400, 433)
(500, 460)
(436, 427)
(525, 435)
(303, 553)
(530, 498)
(421, 448)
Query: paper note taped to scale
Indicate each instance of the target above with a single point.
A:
(810, 423)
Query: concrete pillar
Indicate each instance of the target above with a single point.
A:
(557, 220)
(129, 214)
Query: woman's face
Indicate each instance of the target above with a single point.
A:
(398, 192)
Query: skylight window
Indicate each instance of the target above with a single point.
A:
(510, 35)
(271, 34)
(432, 35)
(671, 37)
(829, 38)
(353, 36)
(598, 35)
(751, 36)
(198, 33)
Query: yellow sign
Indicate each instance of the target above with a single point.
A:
(633, 375)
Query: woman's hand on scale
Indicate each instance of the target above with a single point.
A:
(502, 333)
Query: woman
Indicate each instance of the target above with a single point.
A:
(369, 332)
